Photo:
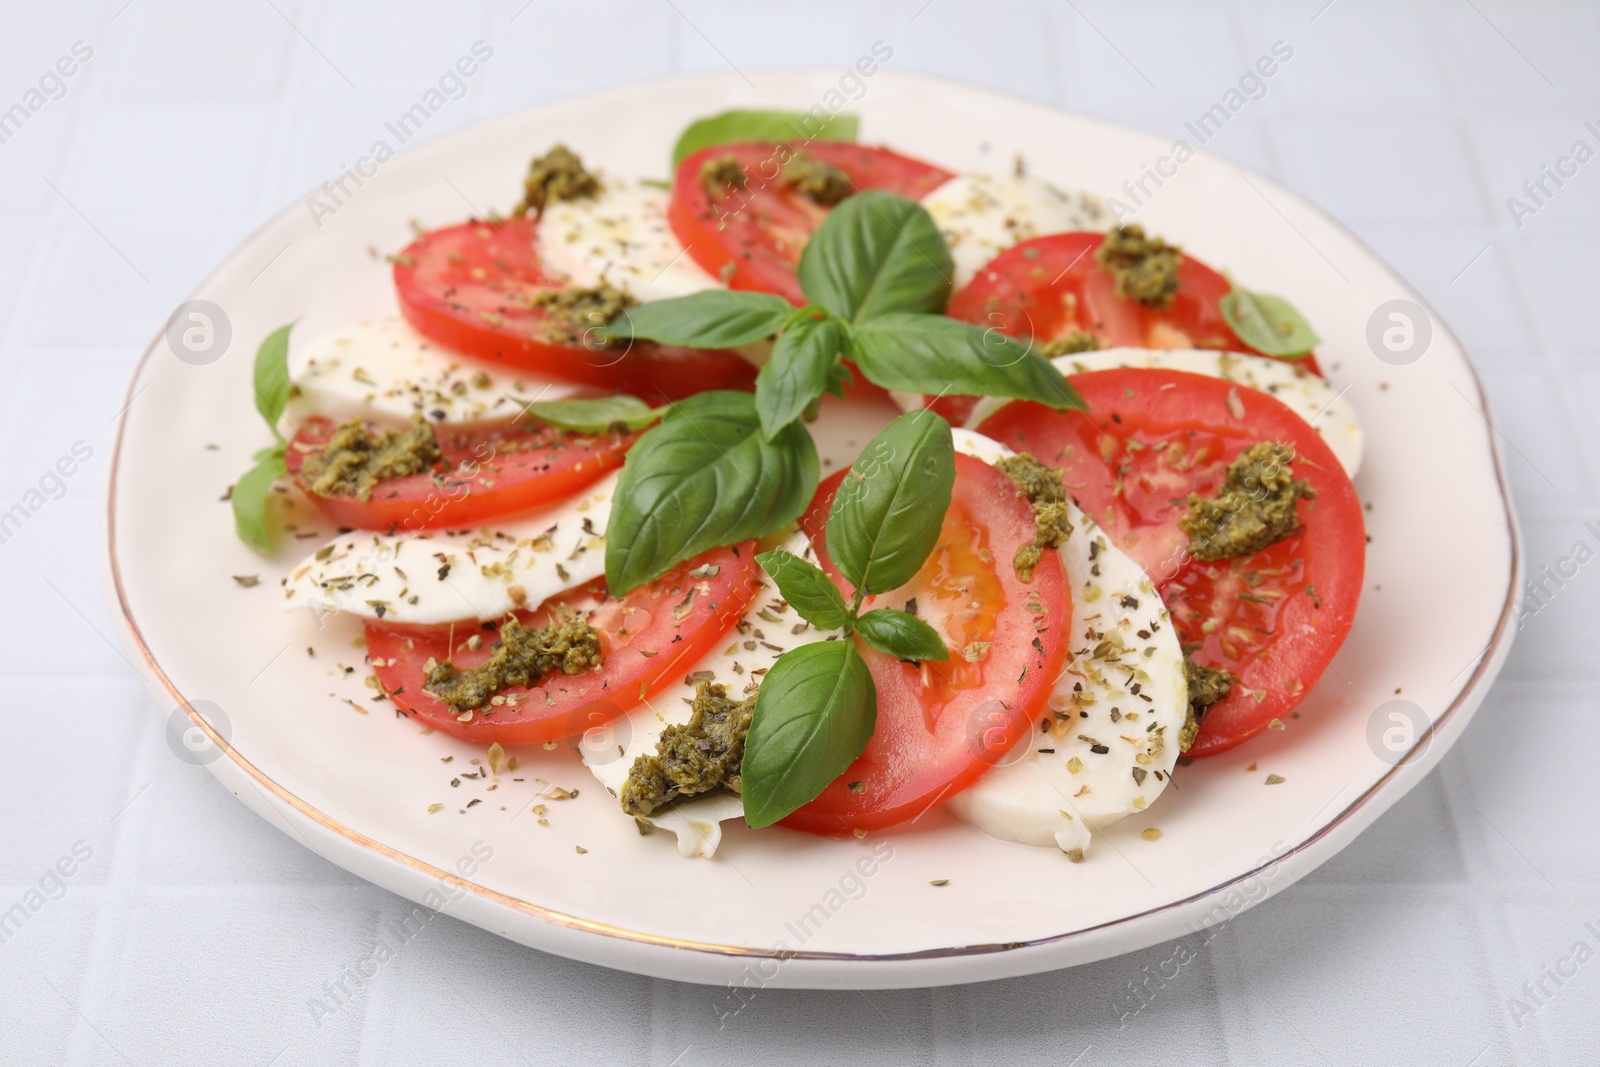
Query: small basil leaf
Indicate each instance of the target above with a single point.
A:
(593, 414)
(798, 372)
(902, 636)
(1269, 324)
(875, 253)
(935, 354)
(707, 476)
(716, 318)
(249, 498)
(741, 125)
(890, 508)
(809, 591)
(272, 376)
(814, 713)
(839, 378)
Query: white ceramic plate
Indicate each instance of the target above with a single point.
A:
(777, 907)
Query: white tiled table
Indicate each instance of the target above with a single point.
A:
(194, 933)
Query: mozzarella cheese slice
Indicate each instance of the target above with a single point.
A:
(982, 215)
(620, 236)
(384, 370)
(752, 646)
(1306, 394)
(1109, 738)
(435, 577)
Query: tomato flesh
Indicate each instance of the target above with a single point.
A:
(942, 725)
(752, 237)
(1052, 286)
(1150, 437)
(470, 287)
(488, 472)
(647, 637)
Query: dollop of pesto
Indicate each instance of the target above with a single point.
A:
(573, 316)
(1042, 487)
(355, 459)
(702, 755)
(1206, 686)
(1255, 508)
(556, 175)
(1073, 343)
(721, 173)
(522, 656)
(1146, 268)
(821, 183)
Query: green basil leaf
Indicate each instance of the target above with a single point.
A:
(815, 711)
(716, 318)
(890, 508)
(1269, 324)
(809, 591)
(798, 372)
(593, 414)
(839, 378)
(272, 376)
(902, 636)
(731, 127)
(938, 355)
(875, 253)
(707, 476)
(250, 495)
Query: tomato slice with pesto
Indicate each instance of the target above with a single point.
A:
(646, 639)
(942, 725)
(751, 235)
(1272, 619)
(472, 289)
(1053, 286)
(485, 472)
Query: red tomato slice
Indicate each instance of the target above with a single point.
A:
(468, 287)
(1273, 620)
(752, 237)
(942, 725)
(487, 473)
(1052, 286)
(647, 639)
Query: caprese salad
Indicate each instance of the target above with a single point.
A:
(577, 497)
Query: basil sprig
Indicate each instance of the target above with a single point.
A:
(730, 127)
(1269, 324)
(817, 706)
(876, 274)
(705, 477)
(250, 493)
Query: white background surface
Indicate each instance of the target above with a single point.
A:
(197, 934)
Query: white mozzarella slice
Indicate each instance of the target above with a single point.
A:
(384, 370)
(1304, 393)
(753, 645)
(620, 236)
(1123, 692)
(440, 576)
(982, 215)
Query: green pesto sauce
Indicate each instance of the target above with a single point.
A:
(1042, 487)
(1255, 508)
(821, 183)
(573, 316)
(556, 175)
(1146, 268)
(721, 173)
(356, 459)
(1206, 687)
(1073, 343)
(701, 756)
(522, 656)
